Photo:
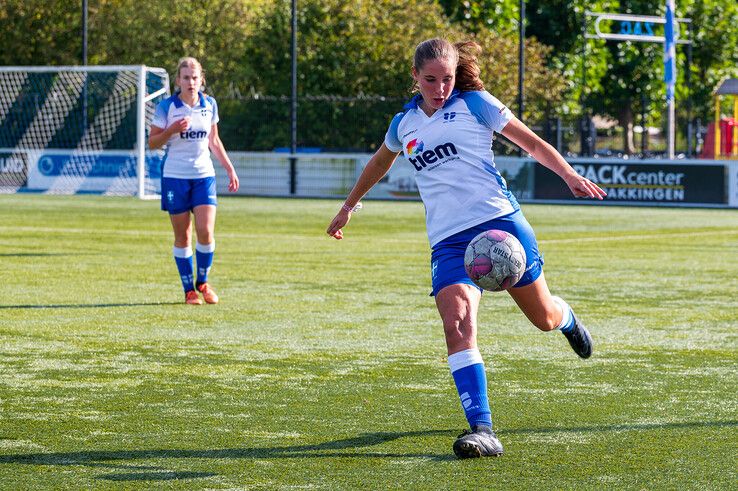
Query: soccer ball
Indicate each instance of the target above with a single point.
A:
(495, 260)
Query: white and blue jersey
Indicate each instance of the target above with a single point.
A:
(188, 153)
(451, 152)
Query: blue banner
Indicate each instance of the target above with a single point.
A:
(669, 51)
(100, 165)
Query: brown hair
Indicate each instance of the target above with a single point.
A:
(467, 70)
(463, 54)
(189, 62)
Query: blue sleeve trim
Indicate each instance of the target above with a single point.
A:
(176, 100)
(392, 138)
(216, 118)
(488, 111)
(162, 112)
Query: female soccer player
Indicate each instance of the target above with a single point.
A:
(446, 133)
(187, 123)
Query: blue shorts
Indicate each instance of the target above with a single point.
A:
(181, 195)
(447, 257)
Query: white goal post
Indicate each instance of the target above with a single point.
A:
(80, 129)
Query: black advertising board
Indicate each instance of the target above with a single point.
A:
(640, 182)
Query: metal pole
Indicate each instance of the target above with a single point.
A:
(84, 63)
(690, 128)
(583, 138)
(521, 60)
(521, 65)
(293, 106)
(84, 32)
(670, 72)
(670, 150)
(140, 131)
(644, 128)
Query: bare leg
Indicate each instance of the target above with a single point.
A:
(458, 306)
(547, 313)
(182, 229)
(204, 223)
(537, 303)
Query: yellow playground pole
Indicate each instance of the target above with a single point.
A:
(717, 126)
(735, 126)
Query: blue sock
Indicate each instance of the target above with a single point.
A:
(467, 368)
(183, 258)
(204, 255)
(567, 319)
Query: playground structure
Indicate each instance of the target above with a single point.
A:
(721, 141)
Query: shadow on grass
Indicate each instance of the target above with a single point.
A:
(43, 254)
(159, 475)
(623, 427)
(344, 448)
(333, 449)
(88, 305)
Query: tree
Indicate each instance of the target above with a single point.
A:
(354, 62)
(483, 15)
(620, 73)
(356, 49)
(40, 32)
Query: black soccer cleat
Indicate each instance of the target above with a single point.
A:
(481, 441)
(579, 339)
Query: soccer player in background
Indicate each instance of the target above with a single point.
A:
(187, 122)
(445, 131)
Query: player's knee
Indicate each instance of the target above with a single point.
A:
(548, 320)
(182, 240)
(205, 236)
(457, 328)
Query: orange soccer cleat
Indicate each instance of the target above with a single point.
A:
(207, 293)
(191, 298)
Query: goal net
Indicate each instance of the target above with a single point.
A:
(68, 130)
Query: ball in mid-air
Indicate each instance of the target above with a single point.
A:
(495, 260)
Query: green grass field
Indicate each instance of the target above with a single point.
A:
(324, 365)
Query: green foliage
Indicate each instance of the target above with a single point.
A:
(478, 16)
(715, 51)
(40, 32)
(354, 49)
(344, 51)
(214, 31)
(324, 365)
(619, 72)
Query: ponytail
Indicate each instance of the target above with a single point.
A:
(467, 69)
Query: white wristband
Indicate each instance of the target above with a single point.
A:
(358, 206)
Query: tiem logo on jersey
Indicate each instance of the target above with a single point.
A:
(425, 158)
(414, 147)
(193, 135)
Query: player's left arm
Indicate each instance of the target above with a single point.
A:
(543, 152)
(216, 146)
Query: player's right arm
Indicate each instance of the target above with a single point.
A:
(159, 136)
(375, 170)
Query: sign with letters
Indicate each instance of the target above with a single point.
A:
(627, 27)
(641, 182)
(82, 171)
